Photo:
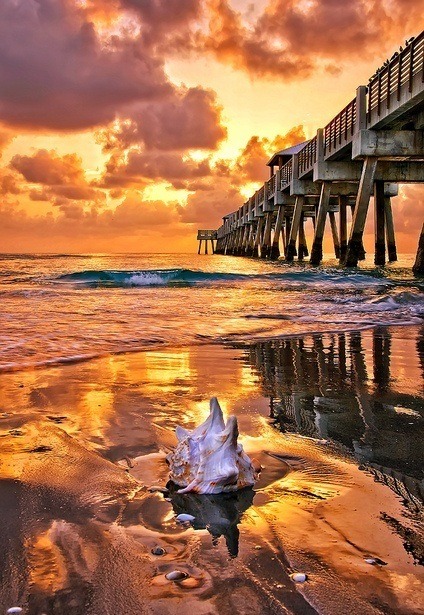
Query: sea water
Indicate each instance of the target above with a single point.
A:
(63, 308)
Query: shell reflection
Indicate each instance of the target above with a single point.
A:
(220, 514)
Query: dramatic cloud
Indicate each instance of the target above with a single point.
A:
(207, 206)
(138, 167)
(5, 138)
(133, 223)
(408, 210)
(188, 119)
(60, 176)
(8, 183)
(251, 164)
(291, 38)
(57, 73)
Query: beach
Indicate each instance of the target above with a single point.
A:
(331, 406)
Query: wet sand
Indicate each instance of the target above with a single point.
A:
(336, 422)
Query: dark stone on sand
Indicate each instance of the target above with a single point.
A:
(158, 551)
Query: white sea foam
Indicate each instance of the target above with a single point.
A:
(146, 279)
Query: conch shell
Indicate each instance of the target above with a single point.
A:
(208, 459)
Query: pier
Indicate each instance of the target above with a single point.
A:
(205, 236)
(375, 143)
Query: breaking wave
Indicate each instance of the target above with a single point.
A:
(294, 277)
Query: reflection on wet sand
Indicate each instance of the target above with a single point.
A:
(218, 514)
(81, 444)
(362, 389)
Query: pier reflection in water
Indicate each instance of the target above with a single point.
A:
(362, 389)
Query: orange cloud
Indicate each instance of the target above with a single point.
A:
(251, 164)
(186, 119)
(138, 168)
(208, 205)
(62, 177)
(293, 38)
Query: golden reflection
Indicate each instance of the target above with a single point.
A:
(168, 369)
(96, 409)
(47, 568)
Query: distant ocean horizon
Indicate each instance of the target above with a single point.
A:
(58, 308)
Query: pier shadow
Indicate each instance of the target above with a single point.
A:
(360, 389)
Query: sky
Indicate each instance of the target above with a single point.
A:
(126, 125)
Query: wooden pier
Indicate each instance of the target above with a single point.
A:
(206, 235)
(372, 145)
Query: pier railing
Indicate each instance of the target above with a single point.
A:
(341, 129)
(401, 70)
(286, 174)
(307, 157)
(271, 185)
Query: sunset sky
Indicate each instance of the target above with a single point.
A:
(125, 125)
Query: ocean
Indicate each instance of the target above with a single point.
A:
(61, 308)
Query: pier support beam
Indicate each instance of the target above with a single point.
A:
(275, 248)
(316, 251)
(418, 267)
(302, 249)
(334, 233)
(390, 230)
(379, 224)
(258, 237)
(343, 226)
(297, 214)
(250, 240)
(266, 240)
(361, 209)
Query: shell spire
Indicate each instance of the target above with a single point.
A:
(209, 459)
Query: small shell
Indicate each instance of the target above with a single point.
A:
(375, 561)
(158, 551)
(14, 609)
(183, 518)
(176, 575)
(299, 577)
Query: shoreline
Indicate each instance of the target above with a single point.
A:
(226, 341)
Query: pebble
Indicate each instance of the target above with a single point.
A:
(257, 547)
(176, 575)
(183, 517)
(158, 551)
(14, 609)
(299, 577)
(158, 489)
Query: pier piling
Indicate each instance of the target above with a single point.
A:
(418, 267)
(366, 185)
(379, 224)
(324, 200)
(206, 235)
